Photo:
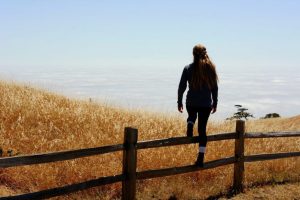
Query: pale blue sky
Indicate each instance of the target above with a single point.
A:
(262, 34)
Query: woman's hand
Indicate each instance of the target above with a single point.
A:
(213, 110)
(180, 108)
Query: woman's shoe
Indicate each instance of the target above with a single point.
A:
(200, 159)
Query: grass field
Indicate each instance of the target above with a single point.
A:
(36, 121)
(269, 192)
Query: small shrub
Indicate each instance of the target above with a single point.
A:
(271, 115)
(241, 113)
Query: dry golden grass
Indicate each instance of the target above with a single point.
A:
(35, 121)
(270, 192)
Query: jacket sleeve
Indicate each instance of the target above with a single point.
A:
(215, 96)
(182, 86)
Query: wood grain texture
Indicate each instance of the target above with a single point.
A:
(183, 140)
(129, 163)
(184, 169)
(262, 157)
(272, 134)
(57, 156)
(66, 189)
(238, 176)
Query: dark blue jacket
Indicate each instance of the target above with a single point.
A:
(203, 97)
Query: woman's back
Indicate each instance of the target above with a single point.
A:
(197, 96)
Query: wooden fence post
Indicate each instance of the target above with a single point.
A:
(238, 177)
(129, 163)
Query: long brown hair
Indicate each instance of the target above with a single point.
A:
(204, 73)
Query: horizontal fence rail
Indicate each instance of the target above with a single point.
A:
(130, 147)
(271, 156)
(79, 153)
(67, 189)
(184, 169)
(183, 140)
(57, 156)
(272, 134)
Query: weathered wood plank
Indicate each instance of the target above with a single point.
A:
(184, 169)
(262, 157)
(66, 189)
(238, 176)
(183, 140)
(72, 154)
(57, 156)
(272, 134)
(129, 163)
(222, 136)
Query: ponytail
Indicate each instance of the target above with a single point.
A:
(204, 73)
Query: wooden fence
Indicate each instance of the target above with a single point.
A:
(130, 147)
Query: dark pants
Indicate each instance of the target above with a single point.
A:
(203, 115)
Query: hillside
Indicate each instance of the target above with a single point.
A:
(35, 121)
(269, 192)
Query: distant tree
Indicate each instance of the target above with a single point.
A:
(241, 113)
(271, 115)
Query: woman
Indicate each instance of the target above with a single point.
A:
(202, 96)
